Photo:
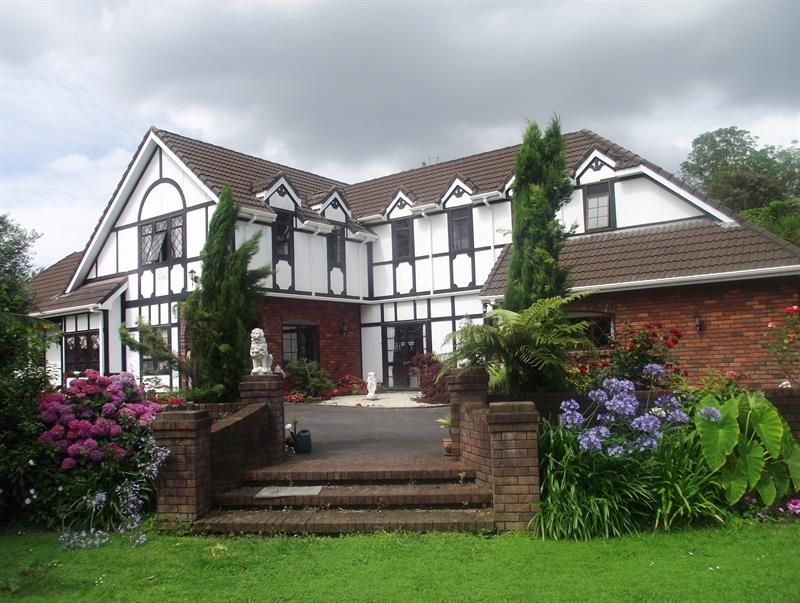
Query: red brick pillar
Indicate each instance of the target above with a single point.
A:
(268, 389)
(465, 387)
(514, 429)
(183, 489)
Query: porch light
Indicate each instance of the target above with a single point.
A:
(698, 323)
(193, 276)
(343, 329)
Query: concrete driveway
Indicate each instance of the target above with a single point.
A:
(368, 433)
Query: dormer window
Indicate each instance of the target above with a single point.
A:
(162, 240)
(598, 206)
(402, 239)
(282, 230)
(461, 229)
(336, 242)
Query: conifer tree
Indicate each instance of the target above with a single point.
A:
(221, 311)
(541, 187)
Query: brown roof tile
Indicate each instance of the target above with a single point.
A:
(216, 166)
(49, 286)
(679, 249)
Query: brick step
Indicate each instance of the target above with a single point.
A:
(345, 521)
(362, 495)
(353, 471)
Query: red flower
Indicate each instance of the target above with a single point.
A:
(792, 310)
(583, 370)
(669, 344)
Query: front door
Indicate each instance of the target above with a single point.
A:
(403, 341)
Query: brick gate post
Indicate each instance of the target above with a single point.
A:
(268, 389)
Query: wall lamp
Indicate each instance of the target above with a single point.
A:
(193, 276)
(699, 325)
(343, 329)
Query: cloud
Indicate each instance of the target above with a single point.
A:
(63, 200)
(354, 90)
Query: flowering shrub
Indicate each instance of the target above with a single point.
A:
(98, 459)
(784, 344)
(622, 464)
(307, 378)
(347, 385)
(432, 387)
(628, 357)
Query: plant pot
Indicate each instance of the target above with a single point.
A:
(447, 444)
(302, 441)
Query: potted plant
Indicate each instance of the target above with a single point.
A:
(299, 441)
(447, 443)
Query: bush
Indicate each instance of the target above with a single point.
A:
(432, 385)
(623, 465)
(96, 460)
(307, 378)
(347, 385)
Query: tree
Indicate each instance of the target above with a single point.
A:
(541, 187)
(523, 352)
(780, 217)
(221, 311)
(728, 165)
(23, 342)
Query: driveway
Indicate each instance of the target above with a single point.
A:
(367, 433)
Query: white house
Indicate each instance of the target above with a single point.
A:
(367, 275)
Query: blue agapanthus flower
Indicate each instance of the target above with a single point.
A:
(647, 424)
(709, 413)
(653, 371)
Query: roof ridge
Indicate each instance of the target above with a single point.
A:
(434, 165)
(282, 166)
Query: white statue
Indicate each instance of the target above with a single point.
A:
(262, 359)
(372, 386)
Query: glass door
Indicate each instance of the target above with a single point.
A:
(403, 341)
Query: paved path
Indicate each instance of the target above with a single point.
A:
(369, 433)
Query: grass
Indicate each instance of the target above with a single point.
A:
(742, 563)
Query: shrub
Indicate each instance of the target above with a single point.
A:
(784, 344)
(97, 459)
(630, 351)
(621, 465)
(307, 378)
(433, 388)
(347, 385)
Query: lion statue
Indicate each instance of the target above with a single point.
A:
(262, 359)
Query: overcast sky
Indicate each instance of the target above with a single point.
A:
(356, 90)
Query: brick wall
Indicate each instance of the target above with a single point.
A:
(205, 458)
(735, 317)
(339, 354)
(500, 442)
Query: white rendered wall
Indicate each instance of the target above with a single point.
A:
(441, 240)
(114, 341)
(371, 353)
(571, 213)
(164, 198)
(192, 192)
(440, 330)
(107, 258)
(128, 246)
(195, 232)
(52, 360)
(642, 201)
(130, 213)
(382, 281)
(382, 248)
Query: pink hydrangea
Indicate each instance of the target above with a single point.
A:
(68, 463)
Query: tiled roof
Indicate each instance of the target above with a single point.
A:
(488, 172)
(49, 286)
(216, 166)
(679, 249)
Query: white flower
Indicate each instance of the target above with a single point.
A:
(658, 412)
(31, 462)
(32, 491)
(288, 426)
(27, 501)
(786, 384)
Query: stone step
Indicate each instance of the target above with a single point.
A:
(345, 521)
(327, 471)
(358, 495)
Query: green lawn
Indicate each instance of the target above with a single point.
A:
(748, 563)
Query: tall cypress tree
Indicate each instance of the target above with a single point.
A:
(541, 187)
(221, 311)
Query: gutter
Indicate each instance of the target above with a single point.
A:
(72, 310)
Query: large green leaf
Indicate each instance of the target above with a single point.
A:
(779, 473)
(767, 422)
(718, 438)
(751, 455)
(793, 463)
(766, 489)
(734, 482)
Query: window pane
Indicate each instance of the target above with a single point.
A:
(401, 239)
(176, 242)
